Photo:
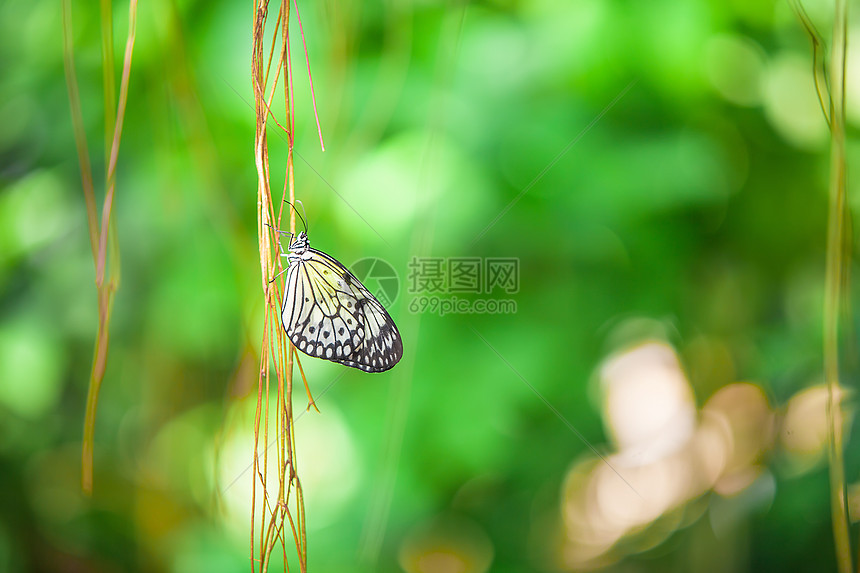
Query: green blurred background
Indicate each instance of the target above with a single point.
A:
(659, 170)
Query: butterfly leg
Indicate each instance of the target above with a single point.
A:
(280, 273)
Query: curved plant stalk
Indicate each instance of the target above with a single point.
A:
(835, 280)
(108, 76)
(281, 505)
(102, 237)
(819, 59)
(831, 95)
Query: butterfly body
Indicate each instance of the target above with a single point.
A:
(327, 313)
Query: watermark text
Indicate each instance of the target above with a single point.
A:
(443, 305)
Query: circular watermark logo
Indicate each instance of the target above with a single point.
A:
(378, 277)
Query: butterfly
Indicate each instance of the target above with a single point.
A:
(327, 312)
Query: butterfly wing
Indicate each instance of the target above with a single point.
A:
(328, 313)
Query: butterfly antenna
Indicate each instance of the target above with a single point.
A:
(304, 222)
(305, 218)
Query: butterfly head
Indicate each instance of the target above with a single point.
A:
(300, 243)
